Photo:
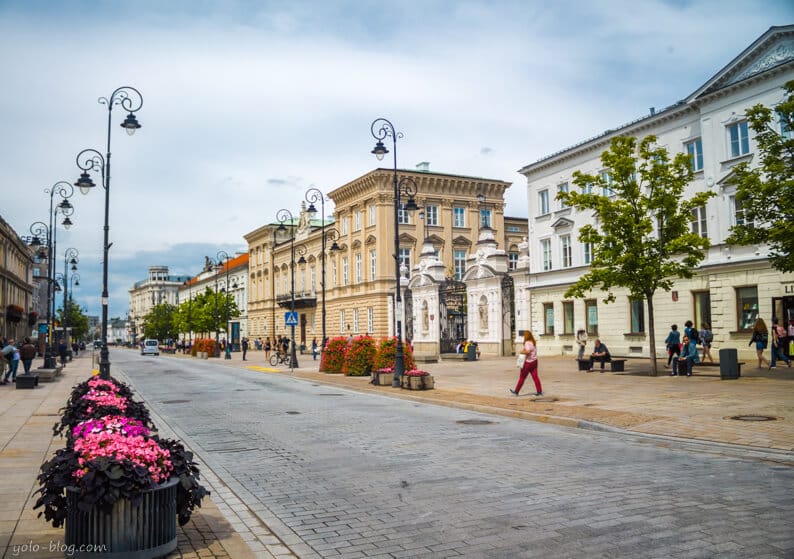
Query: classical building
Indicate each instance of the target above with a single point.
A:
(17, 303)
(360, 275)
(158, 288)
(231, 275)
(733, 286)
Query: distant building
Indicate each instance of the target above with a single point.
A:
(17, 305)
(158, 288)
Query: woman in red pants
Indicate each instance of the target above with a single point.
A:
(530, 367)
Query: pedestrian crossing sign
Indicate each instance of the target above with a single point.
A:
(291, 318)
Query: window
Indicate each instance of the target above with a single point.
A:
(739, 139)
(545, 250)
(695, 151)
(512, 260)
(591, 317)
(485, 218)
(548, 318)
(313, 279)
(431, 215)
(739, 217)
(344, 226)
(345, 274)
(543, 202)
(565, 250)
(588, 253)
(403, 215)
(746, 306)
(372, 265)
(371, 210)
(702, 301)
(567, 317)
(357, 222)
(563, 188)
(370, 320)
(637, 312)
(333, 273)
(458, 217)
(342, 321)
(606, 190)
(405, 258)
(588, 188)
(785, 129)
(459, 258)
(355, 321)
(698, 222)
(359, 268)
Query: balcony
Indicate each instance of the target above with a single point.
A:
(303, 300)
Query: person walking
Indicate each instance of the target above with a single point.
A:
(760, 338)
(706, 337)
(600, 353)
(11, 354)
(673, 342)
(778, 345)
(26, 354)
(245, 347)
(314, 349)
(267, 348)
(581, 341)
(62, 353)
(530, 366)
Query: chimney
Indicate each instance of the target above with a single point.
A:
(653, 111)
(423, 167)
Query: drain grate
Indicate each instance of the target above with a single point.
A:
(754, 418)
(293, 413)
(176, 401)
(474, 422)
(330, 394)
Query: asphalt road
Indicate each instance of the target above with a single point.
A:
(344, 474)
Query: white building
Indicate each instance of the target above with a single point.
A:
(733, 285)
(158, 288)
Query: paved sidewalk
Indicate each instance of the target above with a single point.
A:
(26, 441)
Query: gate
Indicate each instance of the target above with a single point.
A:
(453, 311)
(509, 313)
(408, 305)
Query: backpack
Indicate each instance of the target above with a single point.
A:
(708, 336)
(694, 335)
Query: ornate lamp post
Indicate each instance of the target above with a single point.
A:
(131, 101)
(70, 258)
(314, 195)
(284, 215)
(485, 219)
(382, 129)
(189, 313)
(223, 254)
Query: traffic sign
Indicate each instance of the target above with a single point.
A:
(291, 318)
(42, 328)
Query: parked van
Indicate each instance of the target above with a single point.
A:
(150, 348)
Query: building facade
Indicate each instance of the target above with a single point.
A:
(360, 276)
(733, 285)
(158, 288)
(17, 303)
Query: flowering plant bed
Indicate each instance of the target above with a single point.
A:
(417, 380)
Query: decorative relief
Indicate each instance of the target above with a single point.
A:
(780, 53)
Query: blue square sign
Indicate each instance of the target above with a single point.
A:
(291, 318)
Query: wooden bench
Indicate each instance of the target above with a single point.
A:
(615, 365)
(30, 380)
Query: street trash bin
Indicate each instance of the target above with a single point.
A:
(729, 364)
(471, 353)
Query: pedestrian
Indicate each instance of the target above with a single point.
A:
(530, 365)
(601, 354)
(62, 351)
(689, 356)
(778, 345)
(11, 354)
(760, 338)
(706, 337)
(673, 342)
(267, 347)
(245, 347)
(315, 349)
(581, 341)
(26, 354)
(3, 361)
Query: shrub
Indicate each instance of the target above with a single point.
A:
(333, 359)
(207, 345)
(360, 356)
(384, 358)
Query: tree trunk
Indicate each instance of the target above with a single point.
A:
(651, 334)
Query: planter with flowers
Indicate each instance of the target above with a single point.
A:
(417, 380)
(334, 355)
(359, 357)
(383, 377)
(116, 485)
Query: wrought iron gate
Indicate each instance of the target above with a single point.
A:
(408, 305)
(508, 312)
(453, 311)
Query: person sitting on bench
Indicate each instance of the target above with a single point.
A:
(600, 353)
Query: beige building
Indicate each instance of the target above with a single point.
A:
(360, 276)
(16, 284)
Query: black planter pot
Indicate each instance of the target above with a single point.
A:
(127, 532)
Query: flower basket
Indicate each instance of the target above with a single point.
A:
(32, 318)
(142, 531)
(417, 380)
(14, 313)
(383, 377)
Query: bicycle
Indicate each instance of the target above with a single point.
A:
(280, 358)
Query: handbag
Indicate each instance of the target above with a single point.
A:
(520, 358)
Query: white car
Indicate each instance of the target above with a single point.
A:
(150, 348)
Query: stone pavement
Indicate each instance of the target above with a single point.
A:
(26, 441)
(701, 408)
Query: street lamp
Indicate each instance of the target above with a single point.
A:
(70, 257)
(189, 313)
(131, 101)
(382, 129)
(314, 195)
(284, 215)
(223, 254)
(485, 218)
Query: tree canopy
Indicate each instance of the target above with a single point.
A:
(199, 313)
(641, 239)
(159, 322)
(74, 319)
(765, 193)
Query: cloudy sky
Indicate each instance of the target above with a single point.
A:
(248, 103)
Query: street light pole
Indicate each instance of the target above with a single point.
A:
(382, 129)
(225, 255)
(282, 216)
(69, 257)
(131, 101)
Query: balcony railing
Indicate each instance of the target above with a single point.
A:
(303, 299)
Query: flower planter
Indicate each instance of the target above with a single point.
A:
(127, 532)
(383, 379)
(424, 382)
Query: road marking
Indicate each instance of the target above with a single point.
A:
(266, 369)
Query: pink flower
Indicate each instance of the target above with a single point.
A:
(139, 450)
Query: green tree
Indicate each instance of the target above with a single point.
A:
(766, 193)
(74, 319)
(641, 240)
(199, 314)
(159, 322)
